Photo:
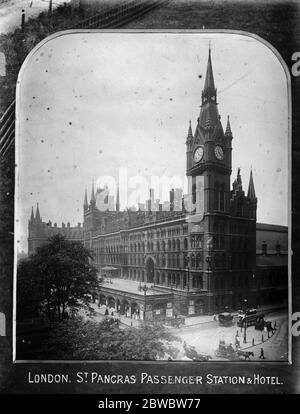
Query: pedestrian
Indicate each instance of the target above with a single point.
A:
(237, 334)
(253, 342)
(106, 312)
(262, 338)
(262, 355)
(112, 313)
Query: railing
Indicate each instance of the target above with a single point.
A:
(118, 16)
(7, 130)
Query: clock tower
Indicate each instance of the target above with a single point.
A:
(209, 170)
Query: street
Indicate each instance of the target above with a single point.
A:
(205, 337)
(11, 12)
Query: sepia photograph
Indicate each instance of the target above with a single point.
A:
(152, 199)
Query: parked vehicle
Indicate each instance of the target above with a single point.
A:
(225, 319)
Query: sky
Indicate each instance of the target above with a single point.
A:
(89, 104)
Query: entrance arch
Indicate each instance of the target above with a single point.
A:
(111, 302)
(199, 307)
(102, 299)
(149, 266)
(135, 310)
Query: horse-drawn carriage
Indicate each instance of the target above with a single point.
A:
(225, 351)
(191, 353)
(228, 352)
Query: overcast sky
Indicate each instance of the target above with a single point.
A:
(90, 103)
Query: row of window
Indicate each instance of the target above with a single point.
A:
(177, 280)
(172, 260)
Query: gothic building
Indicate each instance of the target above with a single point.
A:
(197, 260)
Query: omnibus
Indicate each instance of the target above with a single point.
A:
(248, 317)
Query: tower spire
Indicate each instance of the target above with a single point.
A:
(85, 203)
(251, 190)
(37, 213)
(190, 132)
(93, 198)
(32, 215)
(209, 115)
(209, 84)
(228, 127)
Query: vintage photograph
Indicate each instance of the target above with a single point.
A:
(152, 199)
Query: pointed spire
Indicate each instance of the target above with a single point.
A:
(118, 200)
(190, 132)
(238, 177)
(32, 215)
(85, 204)
(251, 190)
(37, 213)
(209, 84)
(228, 127)
(93, 198)
(209, 115)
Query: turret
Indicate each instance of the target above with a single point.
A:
(93, 198)
(85, 203)
(118, 200)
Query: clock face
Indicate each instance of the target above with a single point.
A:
(198, 154)
(219, 153)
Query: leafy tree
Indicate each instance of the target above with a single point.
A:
(59, 277)
(77, 338)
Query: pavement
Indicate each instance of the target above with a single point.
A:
(196, 320)
(205, 335)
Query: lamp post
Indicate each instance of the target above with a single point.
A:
(245, 322)
(145, 291)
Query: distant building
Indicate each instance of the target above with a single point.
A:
(213, 258)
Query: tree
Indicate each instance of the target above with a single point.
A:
(81, 339)
(59, 277)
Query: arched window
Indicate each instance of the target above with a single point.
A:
(199, 260)
(185, 244)
(193, 261)
(157, 246)
(174, 244)
(169, 245)
(163, 246)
